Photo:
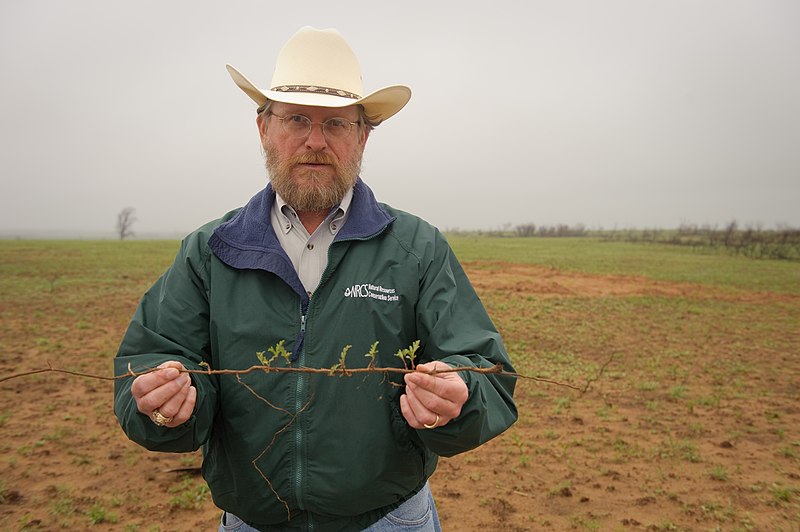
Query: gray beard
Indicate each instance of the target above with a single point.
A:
(319, 195)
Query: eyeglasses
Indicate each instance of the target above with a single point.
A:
(300, 126)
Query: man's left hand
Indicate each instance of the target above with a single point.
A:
(431, 401)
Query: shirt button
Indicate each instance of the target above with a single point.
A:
(310, 246)
(288, 226)
(308, 292)
(333, 227)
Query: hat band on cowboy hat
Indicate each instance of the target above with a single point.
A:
(316, 90)
(318, 67)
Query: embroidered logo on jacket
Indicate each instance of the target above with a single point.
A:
(372, 291)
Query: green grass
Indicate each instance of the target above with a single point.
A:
(37, 267)
(97, 514)
(719, 473)
(46, 265)
(63, 504)
(4, 492)
(189, 493)
(782, 494)
(656, 261)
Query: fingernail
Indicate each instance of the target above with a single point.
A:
(171, 373)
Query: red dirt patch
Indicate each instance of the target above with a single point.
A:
(541, 281)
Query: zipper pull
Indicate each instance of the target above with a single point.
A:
(300, 337)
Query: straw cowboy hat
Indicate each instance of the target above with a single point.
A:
(317, 67)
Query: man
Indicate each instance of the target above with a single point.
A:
(314, 264)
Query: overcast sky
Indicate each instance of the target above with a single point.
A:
(621, 113)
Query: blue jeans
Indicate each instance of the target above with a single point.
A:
(417, 514)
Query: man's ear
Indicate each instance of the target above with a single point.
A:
(262, 124)
(364, 135)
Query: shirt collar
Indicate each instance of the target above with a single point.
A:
(245, 240)
(334, 221)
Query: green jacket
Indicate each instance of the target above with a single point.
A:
(310, 451)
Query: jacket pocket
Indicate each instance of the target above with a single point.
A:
(408, 440)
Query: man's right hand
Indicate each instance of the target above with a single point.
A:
(167, 390)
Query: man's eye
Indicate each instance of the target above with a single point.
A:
(337, 123)
(298, 119)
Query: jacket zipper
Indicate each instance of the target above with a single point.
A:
(298, 438)
(298, 432)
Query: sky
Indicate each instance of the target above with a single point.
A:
(611, 114)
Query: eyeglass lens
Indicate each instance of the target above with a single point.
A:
(300, 126)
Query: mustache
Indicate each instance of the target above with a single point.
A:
(313, 158)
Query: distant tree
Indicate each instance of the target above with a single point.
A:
(125, 220)
(729, 234)
(526, 230)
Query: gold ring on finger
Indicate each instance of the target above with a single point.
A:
(435, 423)
(161, 420)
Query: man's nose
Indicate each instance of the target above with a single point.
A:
(316, 138)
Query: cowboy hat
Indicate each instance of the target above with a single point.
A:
(317, 67)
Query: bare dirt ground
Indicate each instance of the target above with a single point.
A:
(693, 424)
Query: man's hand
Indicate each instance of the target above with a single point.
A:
(167, 390)
(432, 401)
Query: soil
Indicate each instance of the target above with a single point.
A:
(692, 423)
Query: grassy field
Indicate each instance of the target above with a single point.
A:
(692, 422)
(661, 262)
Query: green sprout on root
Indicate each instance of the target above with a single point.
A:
(372, 354)
(408, 355)
(340, 366)
(278, 350)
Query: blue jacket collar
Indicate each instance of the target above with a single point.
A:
(247, 241)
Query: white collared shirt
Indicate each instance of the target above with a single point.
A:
(308, 253)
